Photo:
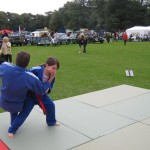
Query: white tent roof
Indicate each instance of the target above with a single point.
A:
(138, 30)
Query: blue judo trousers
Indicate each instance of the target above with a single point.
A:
(46, 100)
(16, 82)
(31, 101)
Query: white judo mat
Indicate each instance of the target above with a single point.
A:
(114, 118)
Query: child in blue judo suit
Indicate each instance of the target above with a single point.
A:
(16, 82)
(44, 73)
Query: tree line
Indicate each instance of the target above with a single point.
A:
(91, 14)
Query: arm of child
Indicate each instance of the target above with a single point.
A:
(51, 81)
(8, 44)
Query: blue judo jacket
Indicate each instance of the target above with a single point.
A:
(38, 71)
(16, 81)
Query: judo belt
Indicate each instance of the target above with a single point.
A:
(39, 97)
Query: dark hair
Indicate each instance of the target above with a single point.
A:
(52, 61)
(23, 59)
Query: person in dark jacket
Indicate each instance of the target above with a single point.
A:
(108, 37)
(83, 42)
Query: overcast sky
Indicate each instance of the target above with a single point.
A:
(31, 6)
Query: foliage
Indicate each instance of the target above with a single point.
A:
(56, 21)
(92, 14)
(25, 21)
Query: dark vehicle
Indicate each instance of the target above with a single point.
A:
(94, 39)
(91, 37)
(17, 40)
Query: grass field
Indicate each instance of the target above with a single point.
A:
(102, 67)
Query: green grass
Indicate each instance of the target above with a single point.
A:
(102, 67)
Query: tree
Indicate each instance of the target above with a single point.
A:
(72, 15)
(82, 2)
(55, 21)
(99, 13)
(124, 14)
(15, 21)
(91, 14)
(33, 22)
(4, 21)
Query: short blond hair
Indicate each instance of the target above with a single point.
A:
(5, 39)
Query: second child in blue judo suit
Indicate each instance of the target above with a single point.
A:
(44, 73)
(16, 81)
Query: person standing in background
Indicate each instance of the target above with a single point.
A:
(125, 37)
(80, 44)
(108, 37)
(84, 42)
(6, 50)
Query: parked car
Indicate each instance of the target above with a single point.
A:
(17, 40)
(73, 38)
(27, 39)
(93, 39)
(63, 38)
(55, 40)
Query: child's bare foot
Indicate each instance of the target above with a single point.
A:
(57, 124)
(11, 135)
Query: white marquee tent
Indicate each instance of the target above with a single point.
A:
(138, 31)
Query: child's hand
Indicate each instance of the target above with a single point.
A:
(8, 45)
(52, 76)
